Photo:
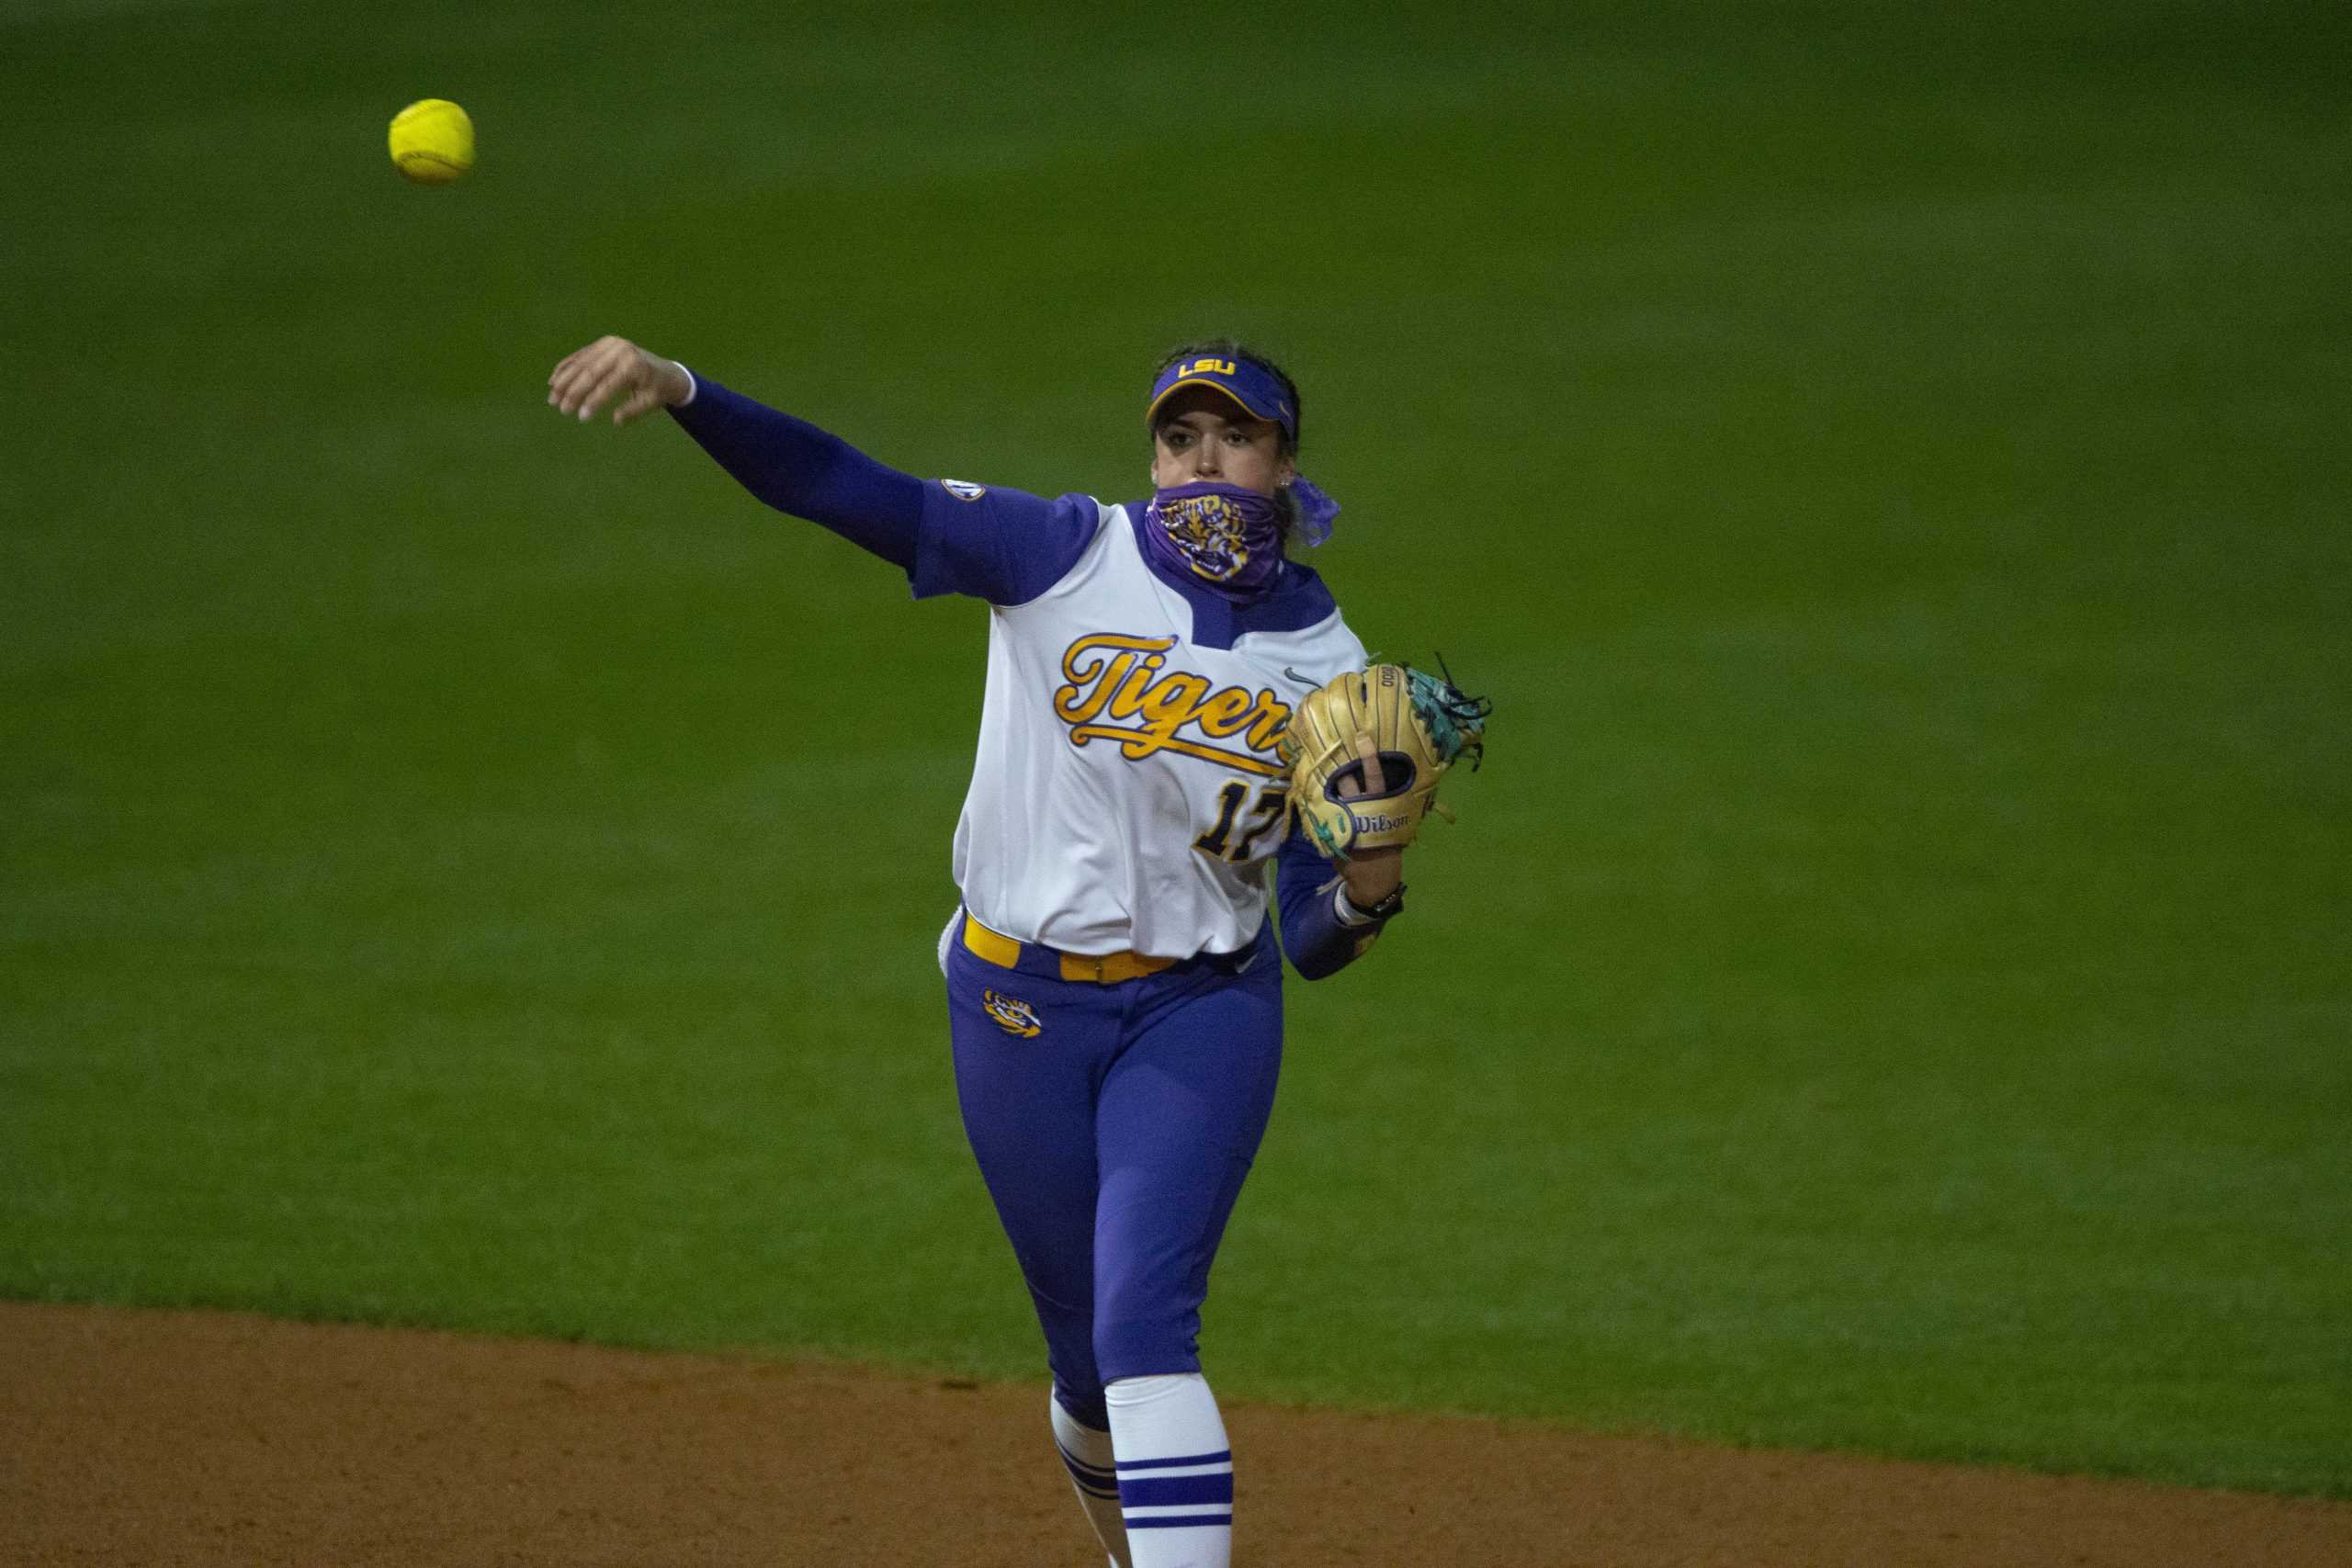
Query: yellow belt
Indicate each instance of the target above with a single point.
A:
(1108, 970)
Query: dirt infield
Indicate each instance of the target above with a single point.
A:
(165, 1437)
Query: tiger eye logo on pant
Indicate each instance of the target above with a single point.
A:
(1012, 1017)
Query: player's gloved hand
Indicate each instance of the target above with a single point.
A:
(615, 367)
(1366, 751)
(1371, 875)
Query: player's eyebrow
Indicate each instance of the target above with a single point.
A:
(1235, 421)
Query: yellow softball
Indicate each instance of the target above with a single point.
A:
(433, 141)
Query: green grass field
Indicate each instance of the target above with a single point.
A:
(1888, 991)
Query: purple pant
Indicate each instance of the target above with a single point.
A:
(1113, 1125)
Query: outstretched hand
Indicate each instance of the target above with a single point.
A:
(615, 367)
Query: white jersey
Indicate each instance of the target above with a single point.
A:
(1125, 796)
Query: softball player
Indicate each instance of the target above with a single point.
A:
(1114, 986)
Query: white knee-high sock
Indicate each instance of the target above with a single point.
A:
(1086, 1454)
(1175, 1471)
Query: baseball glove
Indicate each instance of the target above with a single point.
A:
(1411, 724)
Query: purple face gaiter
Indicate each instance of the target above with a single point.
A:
(1224, 535)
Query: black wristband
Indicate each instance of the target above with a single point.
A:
(1387, 907)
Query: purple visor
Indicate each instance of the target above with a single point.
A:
(1258, 393)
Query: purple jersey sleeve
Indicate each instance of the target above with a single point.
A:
(1318, 944)
(797, 467)
(1002, 545)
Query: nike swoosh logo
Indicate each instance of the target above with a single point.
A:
(1297, 676)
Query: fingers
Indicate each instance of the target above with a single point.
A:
(573, 372)
(603, 380)
(1376, 778)
(611, 366)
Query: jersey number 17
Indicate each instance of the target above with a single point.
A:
(1263, 813)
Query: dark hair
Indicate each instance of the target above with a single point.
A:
(1286, 504)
